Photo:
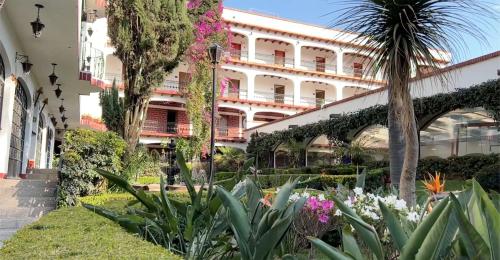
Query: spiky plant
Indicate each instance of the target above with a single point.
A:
(400, 34)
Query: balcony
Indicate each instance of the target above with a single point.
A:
(319, 66)
(237, 54)
(315, 102)
(155, 127)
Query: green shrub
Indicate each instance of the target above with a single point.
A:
(84, 150)
(101, 199)
(219, 176)
(489, 177)
(148, 180)
(327, 169)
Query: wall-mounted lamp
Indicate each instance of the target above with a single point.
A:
(53, 77)
(25, 63)
(37, 25)
(58, 90)
(45, 102)
(53, 119)
(39, 92)
(61, 108)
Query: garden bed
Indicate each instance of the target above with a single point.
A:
(76, 232)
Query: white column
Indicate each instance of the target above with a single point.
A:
(250, 115)
(339, 92)
(251, 47)
(43, 153)
(6, 123)
(340, 62)
(296, 92)
(250, 85)
(297, 55)
(240, 126)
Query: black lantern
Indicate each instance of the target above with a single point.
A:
(90, 31)
(39, 92)
(53, 119)
(53, 77)
(61, 108)
(25, 63)
(58, 90)
(65, 126)
(215, 53)
(37, 26)
(63, 118)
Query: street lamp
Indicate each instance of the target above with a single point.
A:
(215, 54)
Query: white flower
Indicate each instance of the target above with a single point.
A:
(277, 190)
(400, 205)
(348, 203)
(390, 200)
(306, 194)
(294, 197)
(358, 191)
(321, 197)
(412, 216)
(338, 212)
(361, 197)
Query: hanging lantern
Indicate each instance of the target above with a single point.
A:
(54, 120)
(53, 77)
(37, 25)
(61, 108)
(65, 126)
(25, 63)
(58, 91)
(63, 118)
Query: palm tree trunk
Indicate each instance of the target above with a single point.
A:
(408, 175)
(396, 146)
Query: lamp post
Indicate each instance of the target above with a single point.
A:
(215, 54)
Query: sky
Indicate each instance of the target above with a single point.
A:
(317, 12)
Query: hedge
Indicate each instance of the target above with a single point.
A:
(82, 151)
(339, 128)
(489, 177)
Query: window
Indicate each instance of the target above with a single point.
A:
(320, 98)
(235, 50)
(279, 58)
(234, 88)
(279, 94)
(171, 121)
(320, 64)
(358, 69)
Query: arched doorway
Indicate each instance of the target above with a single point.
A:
(320, 152)
(39, 140)
(17, 137)
(374, 142)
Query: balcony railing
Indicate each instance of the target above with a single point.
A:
(358, 72)
(156, 126)
(273, 97)
(169, 85)
(237, 54)
(317, 102)
(319, 66)
(272, 59)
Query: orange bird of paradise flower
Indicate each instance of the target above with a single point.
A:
(434, 185)
(267, 200)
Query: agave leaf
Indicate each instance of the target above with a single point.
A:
(366, 232)
(491, 219)
(186, 175)
(168, 209)
(360, 179)
(281, 200)
(247, 164)
(473, 244)
(438, 241)
(122, 183)
(254, 195)
(414, 242)
(350, 245)
(130, 222)
(328, 250)
(270, 239)
(189, 230)
(394, 225)
(495, 198)
(237, 216)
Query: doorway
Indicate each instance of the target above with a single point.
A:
(279, 94)
(171, 121)
(320, 97)
(17, 136)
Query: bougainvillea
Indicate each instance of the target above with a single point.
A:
(208, 28)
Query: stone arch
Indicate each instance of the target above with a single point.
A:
(273, 50)
(320, 151)
(317, 93)
(237, 84)
(274, 88)
(374, 139)
(318, 58)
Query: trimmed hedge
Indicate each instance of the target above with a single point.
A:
(489, 177)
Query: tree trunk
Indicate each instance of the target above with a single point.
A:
(407, 181)
(135, 114)
(396, 146)
(2, 2)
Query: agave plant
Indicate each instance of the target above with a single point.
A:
(196, 230)
(461, 227)
(259, 226)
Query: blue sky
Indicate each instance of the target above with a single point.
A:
(316, 12)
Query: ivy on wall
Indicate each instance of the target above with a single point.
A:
(486, 95)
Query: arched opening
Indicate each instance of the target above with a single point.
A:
(39, 141)
(275, 52)
(239, 47)
(358, 65)
(318, 59)
(373, 142)
(273, 89)
(349, 91)
(17, 137)
(289, 154)
(236, 85)
(321, 151)
(314, 93)
(460, 132)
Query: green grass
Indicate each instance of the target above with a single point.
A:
(77, 233)
(148, 180)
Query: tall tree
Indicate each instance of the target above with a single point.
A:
(112, 109)
(401, 34)
(150, 37)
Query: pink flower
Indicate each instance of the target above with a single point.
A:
(326, 205)
(313, 203)
(323, 218)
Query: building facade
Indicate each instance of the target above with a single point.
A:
(275, 68)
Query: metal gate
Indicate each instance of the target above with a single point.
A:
(49, 147)
(18, 128)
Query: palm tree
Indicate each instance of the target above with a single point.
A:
(399, 35)
(230, 158)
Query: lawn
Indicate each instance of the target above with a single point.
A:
(77, 233)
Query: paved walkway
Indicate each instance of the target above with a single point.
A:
(24, 201)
